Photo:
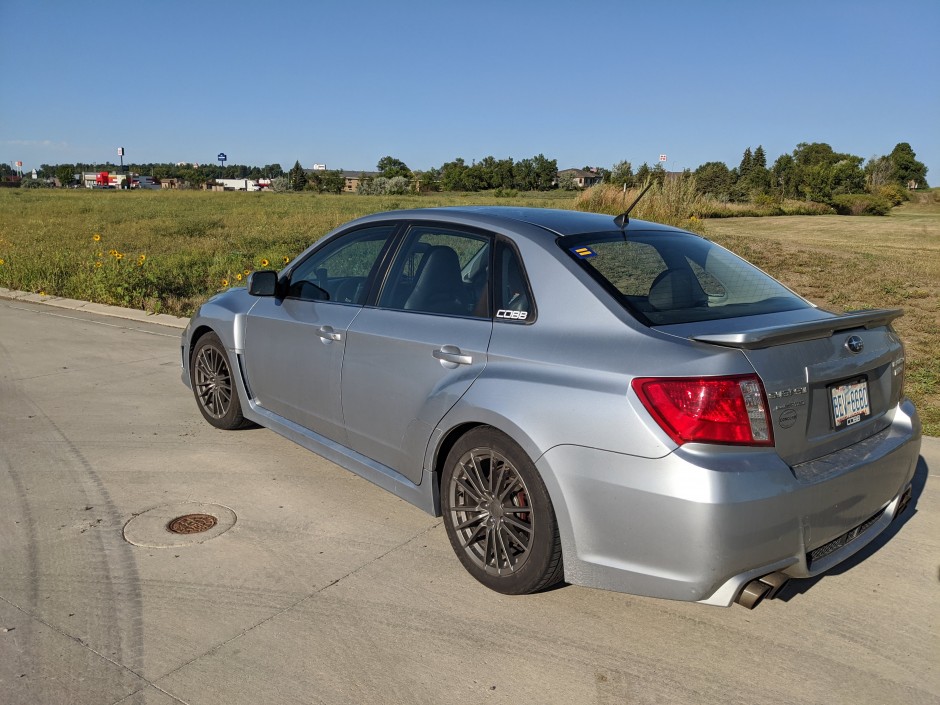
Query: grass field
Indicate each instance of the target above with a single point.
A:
(168, 251)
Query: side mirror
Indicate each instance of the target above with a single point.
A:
(263, 283)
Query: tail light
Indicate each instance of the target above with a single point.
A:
(727, 410)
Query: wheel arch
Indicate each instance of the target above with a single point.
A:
(194, 339)
(457, 429)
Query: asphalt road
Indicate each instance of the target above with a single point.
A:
(325, 589)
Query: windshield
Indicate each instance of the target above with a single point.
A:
(675, 277)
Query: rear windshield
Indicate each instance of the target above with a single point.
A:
(667, 278)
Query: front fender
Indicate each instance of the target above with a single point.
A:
(225, 315)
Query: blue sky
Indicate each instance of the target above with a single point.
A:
(345, 83)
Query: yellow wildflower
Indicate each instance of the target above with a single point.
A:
(140, 260)
(238, 276)
(97, 265)
(225, 282)
(113, 253)
(286, 260)
(264, 263)
(96, 237)
(119, 255)
(247, 272)
(2, 262)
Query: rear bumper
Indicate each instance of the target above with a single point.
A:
(701, 522)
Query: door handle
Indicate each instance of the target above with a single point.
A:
(451, 354)
(328, 335)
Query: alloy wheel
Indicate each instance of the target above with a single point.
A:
(491, 512)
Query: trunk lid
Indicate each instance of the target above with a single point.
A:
(801, 357)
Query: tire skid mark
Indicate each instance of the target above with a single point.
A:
(114, 626)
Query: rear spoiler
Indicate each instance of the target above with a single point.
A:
(795, 332)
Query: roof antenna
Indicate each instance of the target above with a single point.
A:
(623, 219)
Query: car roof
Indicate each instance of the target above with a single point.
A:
(557, 221)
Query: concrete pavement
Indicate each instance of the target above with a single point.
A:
(326, 589)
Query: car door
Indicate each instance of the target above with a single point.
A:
(410, 358)
(294, 345)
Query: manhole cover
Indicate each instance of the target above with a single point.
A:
(183, 524)
(192, 524)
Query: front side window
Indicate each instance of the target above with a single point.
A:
(670, 278)
(440, 270)
(341, 270)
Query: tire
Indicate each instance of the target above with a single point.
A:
(498, 515)
(214, 386)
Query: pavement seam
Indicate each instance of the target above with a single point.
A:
(299, 602)
(80, 643)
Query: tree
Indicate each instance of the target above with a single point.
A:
(752, 176)
(429, 180)
(760, 159)
(714, 179)
(783, 177)
(523, 173)
(879, 171)
(621, 174)
(906, 166)
(297, 177)
(567, 182)
(658, 173)
(819, 172)
(747, 161)
(503, 173)
(389, 167)
(453, 175)
(398, 185)
(65, 173)
(545, 172)
(332, 181)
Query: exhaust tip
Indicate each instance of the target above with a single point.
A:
(776, 581)
(753, 594)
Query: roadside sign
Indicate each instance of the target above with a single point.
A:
(222, 157)
(662, 157)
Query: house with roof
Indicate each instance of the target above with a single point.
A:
(584, 179)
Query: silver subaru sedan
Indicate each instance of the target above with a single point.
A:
(612, 403)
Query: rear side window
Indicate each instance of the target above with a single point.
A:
(514, 301)
(668, 278)
(440, 270)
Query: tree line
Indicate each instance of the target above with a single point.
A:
(812, 172)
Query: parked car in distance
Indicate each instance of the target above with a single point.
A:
(613, 403)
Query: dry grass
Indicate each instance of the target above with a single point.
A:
(845, 263)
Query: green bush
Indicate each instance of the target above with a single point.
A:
(861, 204)
(895, 193)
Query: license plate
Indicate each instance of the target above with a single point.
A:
(850, 403)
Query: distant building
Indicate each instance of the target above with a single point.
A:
(236, 185)
(584, 179)
(352, 179)
(104, 179)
